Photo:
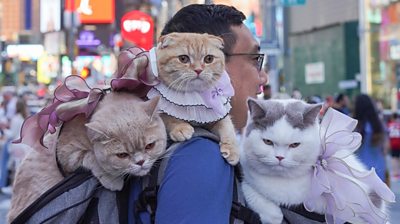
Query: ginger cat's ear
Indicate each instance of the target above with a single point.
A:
(166, 40)
(216, 41)
(151, 106)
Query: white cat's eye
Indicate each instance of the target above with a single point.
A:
(208, 59)
(150, 146)
(294, 145)
(268, 142)
(184, 59)
(122, 155)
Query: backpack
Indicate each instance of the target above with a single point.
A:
(80, 198)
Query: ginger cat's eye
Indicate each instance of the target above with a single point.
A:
(208, 59)
(150, 146)
(122, 155)
(184, 59)
(294, 145)
(268, 142)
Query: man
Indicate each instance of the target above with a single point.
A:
(198, 184)
(342, 103)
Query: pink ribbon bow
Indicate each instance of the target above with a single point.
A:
(213, 97)
(134, 73)
(333, 178)
(74, 88)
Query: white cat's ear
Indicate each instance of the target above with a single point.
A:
(94, 130)
(256, 111)
(311, 112)
(151, 106)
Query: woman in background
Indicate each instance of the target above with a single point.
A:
(370, 126)
(13, 154)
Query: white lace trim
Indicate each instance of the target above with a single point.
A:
(192, 111)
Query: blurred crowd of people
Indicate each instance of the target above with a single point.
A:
(15, 106)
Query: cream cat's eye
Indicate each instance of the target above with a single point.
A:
(268, 142)
(294, 145)
(150, 146)
(122, 155)
(184, 59)
(208, 59)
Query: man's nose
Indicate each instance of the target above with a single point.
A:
(263, 77)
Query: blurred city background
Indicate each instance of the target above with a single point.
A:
(322, 51)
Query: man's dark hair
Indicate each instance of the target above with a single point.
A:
(339, 97)
(212, 19)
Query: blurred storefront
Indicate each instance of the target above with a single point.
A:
(323, 48)
(387, 79)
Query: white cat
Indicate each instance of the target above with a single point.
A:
(280, 150)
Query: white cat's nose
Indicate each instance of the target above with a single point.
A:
(279, 157)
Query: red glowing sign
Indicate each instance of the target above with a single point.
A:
(138, 27)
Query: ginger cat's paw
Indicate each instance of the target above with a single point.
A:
(230, 153)
(181, 132)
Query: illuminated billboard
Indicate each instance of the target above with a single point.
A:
(95, 11)
(50, 15)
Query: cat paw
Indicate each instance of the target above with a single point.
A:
(271, 218)
(230, 153)
(181, 132)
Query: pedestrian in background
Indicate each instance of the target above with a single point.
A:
(342, 103)
(13, 154)
(371, 151)
(394, 137)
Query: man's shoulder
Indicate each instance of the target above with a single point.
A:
(198, 151)
(199, 145)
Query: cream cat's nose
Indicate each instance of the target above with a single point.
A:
(198, 71)
(279, 157)
(140, 163)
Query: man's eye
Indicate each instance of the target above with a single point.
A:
(184, 59)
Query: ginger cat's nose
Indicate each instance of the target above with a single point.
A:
(198, 71)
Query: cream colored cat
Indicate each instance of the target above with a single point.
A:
(124, 136)
(194, 88)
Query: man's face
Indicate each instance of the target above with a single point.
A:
(244, 73)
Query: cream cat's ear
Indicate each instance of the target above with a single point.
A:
(151, 106)
(94, 130)
(166, 40)
(256, 111)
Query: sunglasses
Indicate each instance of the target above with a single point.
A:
(260, 58)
